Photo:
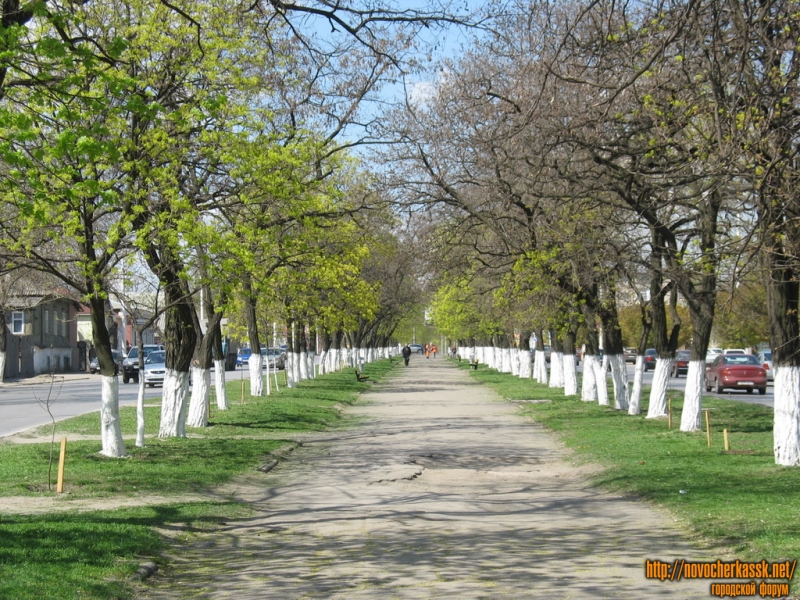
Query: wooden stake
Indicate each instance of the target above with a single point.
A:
(708, 428)
(62, 459)
(725, 438)
(669, 413)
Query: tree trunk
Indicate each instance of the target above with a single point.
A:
(556, 362)
(591, 362)
(219, 367)
(110, 433)
(180, 334)
(569, 368)
(254, 362)
(782, 281)
(201, 376)
(634, 407)
(658, 391)
(3, 346)
(110, 430)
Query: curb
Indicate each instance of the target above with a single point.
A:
(277, 455)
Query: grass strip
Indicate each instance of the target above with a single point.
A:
(739, 500)
(93, 554)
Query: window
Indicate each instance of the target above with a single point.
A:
(18, 322)
(46, 321)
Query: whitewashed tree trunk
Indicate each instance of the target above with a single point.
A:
(540, 367)
(219, 385)
(140, 425)
(589, 384)
(693, 395)
(302, 365)
(600, 379)
(173, 404)
(570, 375)
(525, 367)
(112, 444)
(312, 371)
(658, 389)
(296, 358)
(506, 361)
(2, 367)
(267, 385)
(275, 380)
(201, 396)
(289, 370)
(556, 369)
(635, 405)
(619, 377)
(323, 359)
(786, 432)
(255, 364)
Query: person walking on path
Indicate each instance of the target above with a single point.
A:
(427, 350)
(434, 350)
(438, 492)
(406, 353)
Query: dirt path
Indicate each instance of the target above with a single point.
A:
(441, 492)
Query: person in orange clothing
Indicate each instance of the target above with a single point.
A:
(427, 350)
(434, 349)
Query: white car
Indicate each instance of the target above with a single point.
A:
(711, 354)
(155, 367)
(765, 358)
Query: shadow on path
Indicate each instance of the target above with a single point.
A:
(440, 491)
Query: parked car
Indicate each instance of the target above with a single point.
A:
(712, 353)
(765, 358)
(547, 353)
(243, 357)
(734, 351)
(629, 354)
(130, 366)
(650, 357)
(276, 358)
(738, 372)
(418, 348)
(155, 367)
(94, 364)
(681, 363)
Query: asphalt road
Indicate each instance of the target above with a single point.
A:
(23, 404)
(679, 383)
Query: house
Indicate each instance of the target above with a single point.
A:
(122, 330)
(41, 335)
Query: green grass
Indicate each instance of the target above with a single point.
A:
(739, 500)
(91, 555)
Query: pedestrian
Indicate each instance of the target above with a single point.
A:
(427, 350)
(434, 350)
(406, 353)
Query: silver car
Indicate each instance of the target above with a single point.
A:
(155, 368)
(765, 358)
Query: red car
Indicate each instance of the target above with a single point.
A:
(681, 363)
(738, 372)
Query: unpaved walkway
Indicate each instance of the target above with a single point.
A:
(440, 492)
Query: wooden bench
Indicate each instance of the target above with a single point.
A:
(361, 377)
(474, 365)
